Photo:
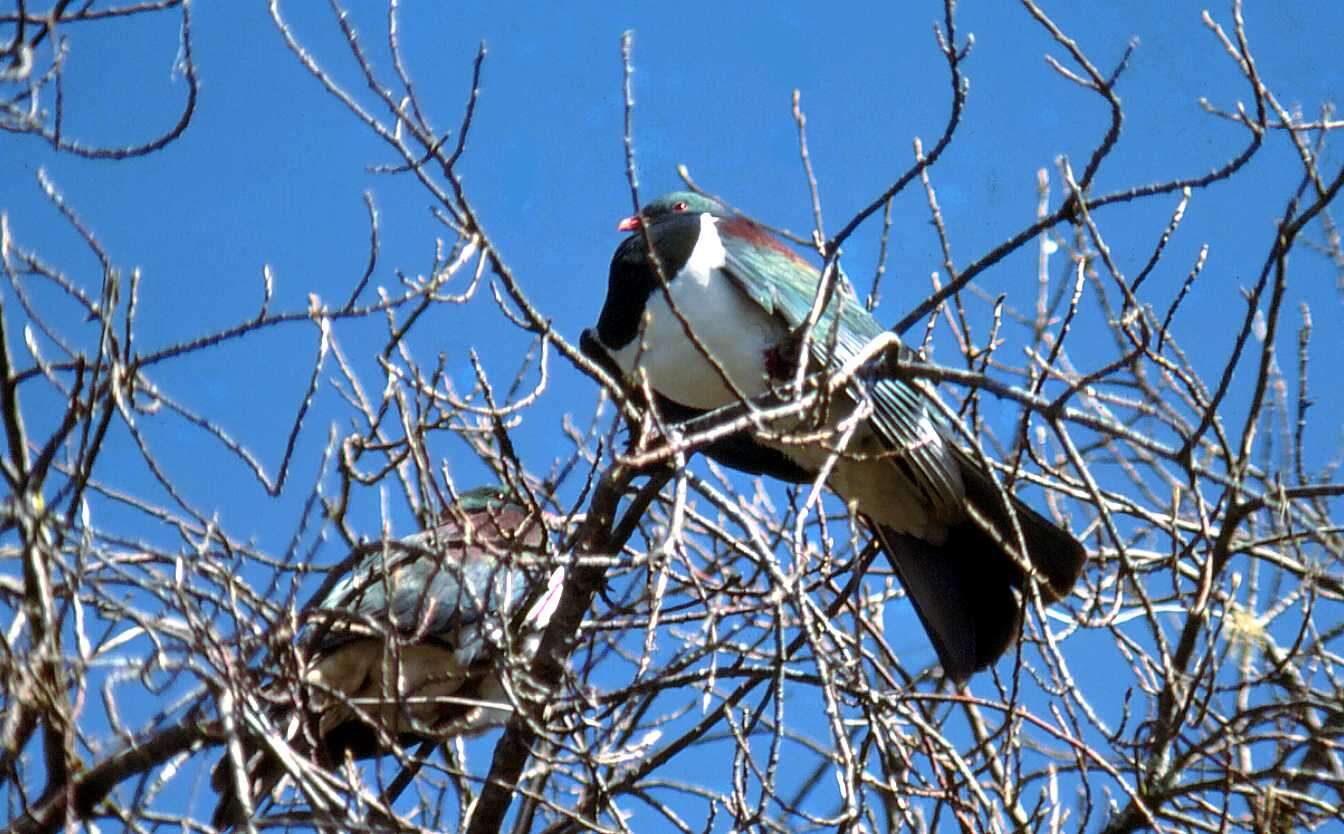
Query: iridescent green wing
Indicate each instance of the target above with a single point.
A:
(785, 284)
(445, 585)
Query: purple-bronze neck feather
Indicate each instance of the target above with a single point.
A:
(746, 230)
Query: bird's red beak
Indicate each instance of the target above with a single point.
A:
(630, 223)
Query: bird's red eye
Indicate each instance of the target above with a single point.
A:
(680, 205)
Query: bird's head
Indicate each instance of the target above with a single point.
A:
(670, 205)
(492, 497)
(498, 512)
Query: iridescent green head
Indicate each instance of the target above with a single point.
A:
(671, 205)
(488, 497)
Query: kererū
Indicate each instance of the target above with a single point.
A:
(746, 296)
(408, 644)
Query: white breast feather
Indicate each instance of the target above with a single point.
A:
(728, 324)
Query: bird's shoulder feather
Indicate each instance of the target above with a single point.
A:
(435, 584)
(904, 416)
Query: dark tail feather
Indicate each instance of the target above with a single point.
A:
(265, 769)
(261, 763)
(1051, 551)
(966, 601)
(966, 589)
(263, 773)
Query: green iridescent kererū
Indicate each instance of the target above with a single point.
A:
(746, 295)
(408, 645)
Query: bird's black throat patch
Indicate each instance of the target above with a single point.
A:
(633, 278)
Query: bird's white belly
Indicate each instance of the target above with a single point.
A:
(728, 325)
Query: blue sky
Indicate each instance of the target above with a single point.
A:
(271, 172)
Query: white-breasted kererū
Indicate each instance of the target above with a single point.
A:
(408, 645)
(746, 296)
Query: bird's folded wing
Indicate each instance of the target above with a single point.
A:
(424, 587)
(786, 285)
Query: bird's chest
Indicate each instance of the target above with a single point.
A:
(723, 323)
